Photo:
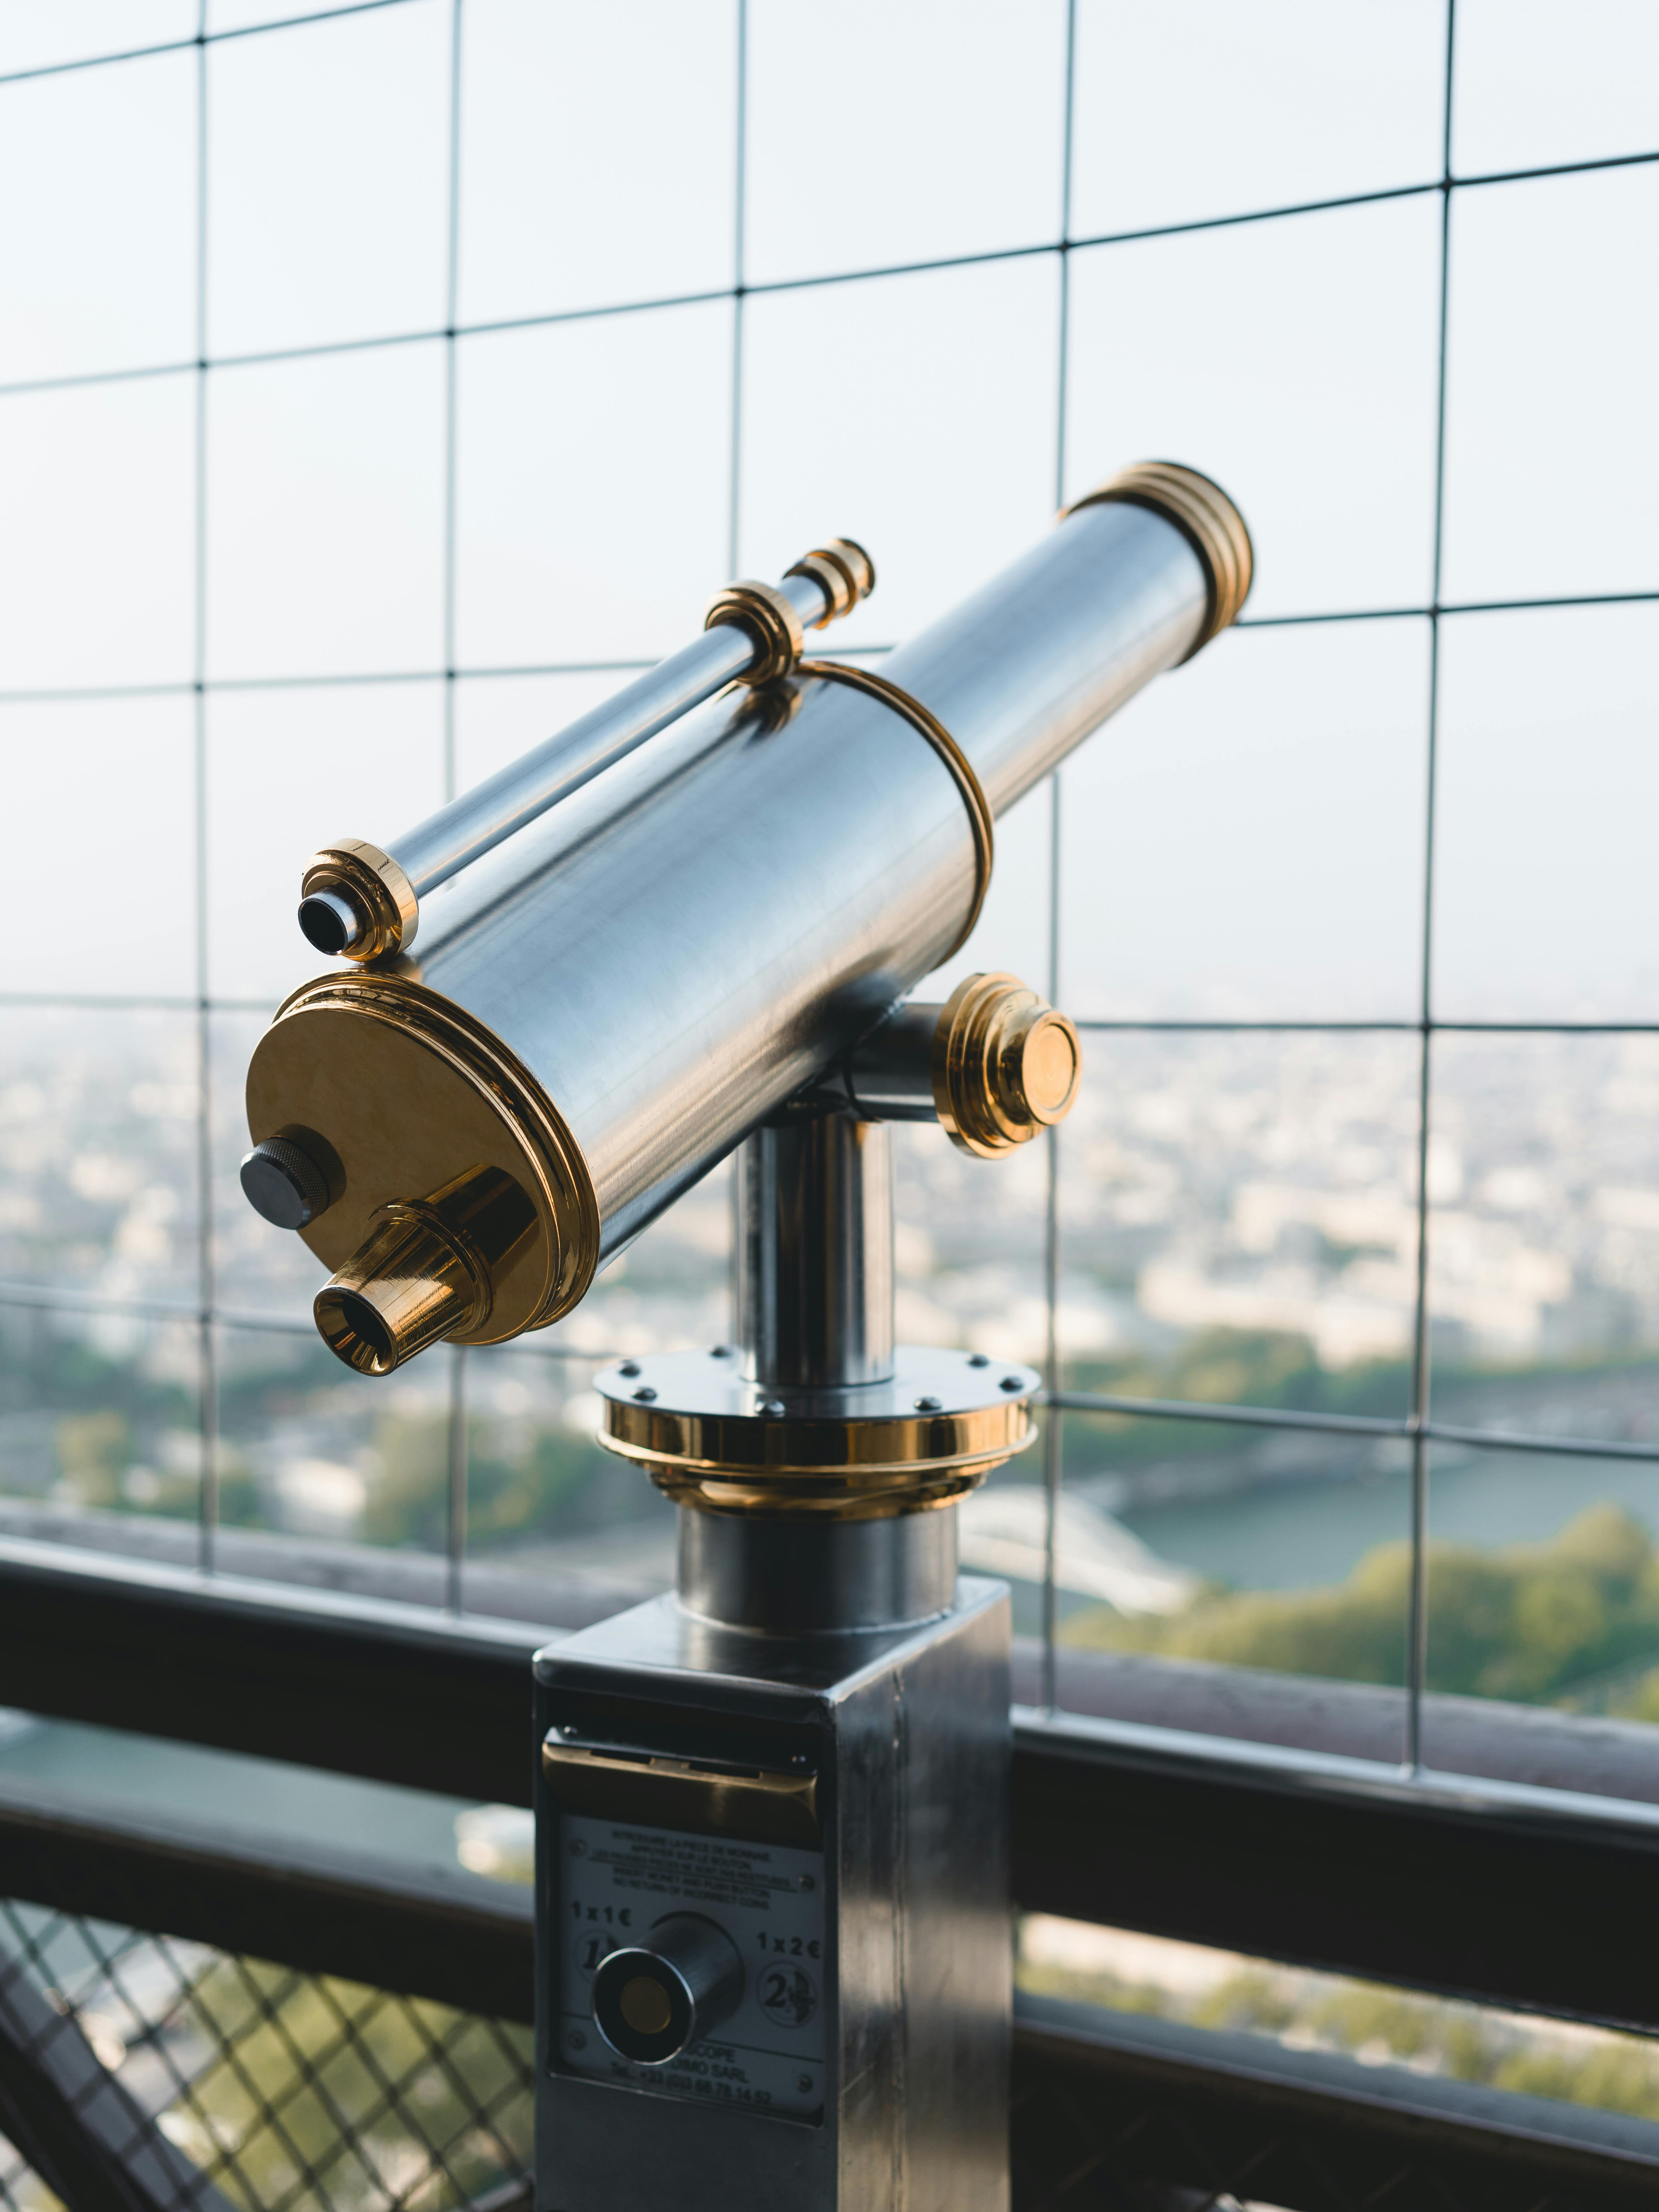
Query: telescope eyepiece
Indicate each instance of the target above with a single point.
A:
(426, 1272)
(330, 921)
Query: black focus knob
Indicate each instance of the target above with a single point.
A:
(651, 2001)
(284, 1183)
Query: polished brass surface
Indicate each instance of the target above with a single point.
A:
(1205, 516)
(1005, 1065)
(411, 1094)
(770, 619)
(973, 794)
(764, 1807)
(706, 1437)
(374, 884)
(426, 1272)
(846, 572)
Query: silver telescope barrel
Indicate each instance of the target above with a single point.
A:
(363, 901)
(605, 1005)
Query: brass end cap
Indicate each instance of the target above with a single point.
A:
(459, 1203)
(374, 888)
(426, 1272)
(846, 572)
(1205, 518)
(1005, 1065)
(770, 619)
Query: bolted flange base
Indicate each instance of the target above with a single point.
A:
(721, 1443)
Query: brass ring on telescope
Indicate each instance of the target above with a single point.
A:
(770, 619)
(375, 883)
(1205, 518)
(845, 572)
(980, 817)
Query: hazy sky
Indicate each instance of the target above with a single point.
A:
(1248, 839)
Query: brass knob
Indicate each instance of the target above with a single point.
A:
(1005, 1065)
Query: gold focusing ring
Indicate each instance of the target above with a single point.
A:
(375, 883)
(973, 791)
(1205, 518)
(845, 572)
(770, 619)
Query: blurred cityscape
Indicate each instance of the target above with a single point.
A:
(1238, 1226)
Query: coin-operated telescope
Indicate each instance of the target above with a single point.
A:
(772, 1908)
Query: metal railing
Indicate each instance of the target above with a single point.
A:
(198, 2018)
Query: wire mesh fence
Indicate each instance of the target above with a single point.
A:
(452, 334)
(210, 2080)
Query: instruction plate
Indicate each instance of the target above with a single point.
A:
(617, 1880)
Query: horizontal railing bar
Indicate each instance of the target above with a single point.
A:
(1257, 2107)
(48, 1298)
(45, 694)
(1344, 1866)
(1348, 1865)
(425, 1930)
(1291, 1417)
(214, 684)
(1106, 1024)
(438, 1933)
(1244, 1417)
(869, 274)
(1172, 1025)
(1483, 1798)
(1178, 1025)
(200, 38)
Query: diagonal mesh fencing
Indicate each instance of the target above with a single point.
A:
(217, 2082)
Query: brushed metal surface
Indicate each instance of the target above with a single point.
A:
(812, 1242)
(908, 1732)
(684, 943)
(480, 819)
(782, 1576)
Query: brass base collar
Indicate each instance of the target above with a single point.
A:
(1205, 518)
(719, 1443)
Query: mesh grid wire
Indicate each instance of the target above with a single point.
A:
(259, 2087)
(205, 1311)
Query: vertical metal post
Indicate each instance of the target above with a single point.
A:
(455, 1519)
(814, 1253)
(740, 248)
(1417, 1648)
(207, 1349)
(1053, 1432)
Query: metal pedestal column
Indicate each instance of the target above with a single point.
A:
(773, 1911)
